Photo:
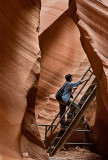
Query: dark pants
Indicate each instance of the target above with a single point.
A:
(62, 106)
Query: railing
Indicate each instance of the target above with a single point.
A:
(52, 126)
(64, 134)
(46, 131)
(47, 125)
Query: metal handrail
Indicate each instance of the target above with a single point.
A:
(46, 131)
(86, 73)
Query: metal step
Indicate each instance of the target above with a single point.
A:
(69, 120)
(83, 130)
(64, 128)
(68, 143)
(87, 93)
(57, 138)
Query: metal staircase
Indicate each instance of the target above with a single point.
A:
(81, 106)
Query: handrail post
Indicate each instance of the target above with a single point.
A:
(50, 138)
(45, 135)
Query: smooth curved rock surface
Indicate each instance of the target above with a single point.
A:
(50, 11)
(19, 70)
(93, 24)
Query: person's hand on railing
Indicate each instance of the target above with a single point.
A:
(85, 80)
(74, 88)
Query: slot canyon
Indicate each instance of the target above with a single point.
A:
(40, 42)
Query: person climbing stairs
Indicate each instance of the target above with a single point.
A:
(80, 106)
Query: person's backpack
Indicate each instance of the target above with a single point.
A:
(60, 93)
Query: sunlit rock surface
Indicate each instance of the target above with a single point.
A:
(62, 53)
(19, 71)
(50, 11)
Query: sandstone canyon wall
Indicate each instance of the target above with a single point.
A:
(62, 53)
(92, 20)
(19, 71)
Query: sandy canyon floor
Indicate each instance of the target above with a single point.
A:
(76, 154)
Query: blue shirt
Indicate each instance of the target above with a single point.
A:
(68, 89)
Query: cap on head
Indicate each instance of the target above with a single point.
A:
(68, 76)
